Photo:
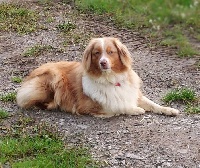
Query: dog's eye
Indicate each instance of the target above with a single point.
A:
(97, 53)
(110, 52)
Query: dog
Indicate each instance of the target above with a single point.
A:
(102, 85)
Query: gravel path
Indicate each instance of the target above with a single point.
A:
(145, 141)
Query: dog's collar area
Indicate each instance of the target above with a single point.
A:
(117, 84)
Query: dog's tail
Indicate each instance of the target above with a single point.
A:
(31, 92)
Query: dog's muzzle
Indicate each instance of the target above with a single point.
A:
(104, 63)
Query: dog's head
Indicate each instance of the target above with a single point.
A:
(105, 55)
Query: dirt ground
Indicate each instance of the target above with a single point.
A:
(144, 141)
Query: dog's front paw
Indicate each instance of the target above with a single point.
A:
(51, 105)
(170, 111)
(136, 111)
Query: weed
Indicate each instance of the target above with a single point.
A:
(11, 96)
(17, 18)
(187, 96)
(187, 50)
(3, 114)
(66, 27)
(192, 109)
(29, 144)
(79, 38)
(197, 37)
(43, 2)
(50, 19)
(35, 50)
(182, 94)
(16, 79)
(38, 50)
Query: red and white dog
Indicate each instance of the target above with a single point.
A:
(103, 84)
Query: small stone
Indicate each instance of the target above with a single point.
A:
(82, 126)
(123, 162)
(183, 151)
(61, 121)
(133, 156)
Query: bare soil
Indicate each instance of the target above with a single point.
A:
(145, 141)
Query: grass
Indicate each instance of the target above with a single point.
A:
(179, 17)
(29, 144)
(176, 38)
(186, 96)
(66, 27)
(3, 114)
(79, 38)
(16, 79)
(38, 50)
(17, 18)
(198, 64)
(182, 94)
(11, 96)
(192, 109)
(43, 2)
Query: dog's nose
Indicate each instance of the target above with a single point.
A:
(103, 63)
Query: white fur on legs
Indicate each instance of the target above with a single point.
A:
(135, 111)
(132, 111)
(149, 105)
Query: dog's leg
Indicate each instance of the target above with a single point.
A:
(135, 111)
(149, 105)
(51, 105)
(102, 114)
(131, 111)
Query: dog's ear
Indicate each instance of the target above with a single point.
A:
(87, 55)
(124, 54)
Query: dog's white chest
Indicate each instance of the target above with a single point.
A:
(115, 98)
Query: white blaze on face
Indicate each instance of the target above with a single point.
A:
(104, 62)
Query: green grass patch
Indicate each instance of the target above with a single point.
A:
(182, 94)
(153, 16)
(186, 96)
(198, 64)
(40, 49)
(37, 50)
(43, 2)
(16, 79)
(11, 96)
(176, 38)
(29, 144)
(77, 38)
(17, 18)
(192, 109)
(50, 19)
(66, 27)
(41, 151)
(3, 114)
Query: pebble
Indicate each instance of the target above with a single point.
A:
(133, 156)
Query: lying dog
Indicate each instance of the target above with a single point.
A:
(102, 85)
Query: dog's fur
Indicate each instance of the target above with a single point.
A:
(102, 85)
